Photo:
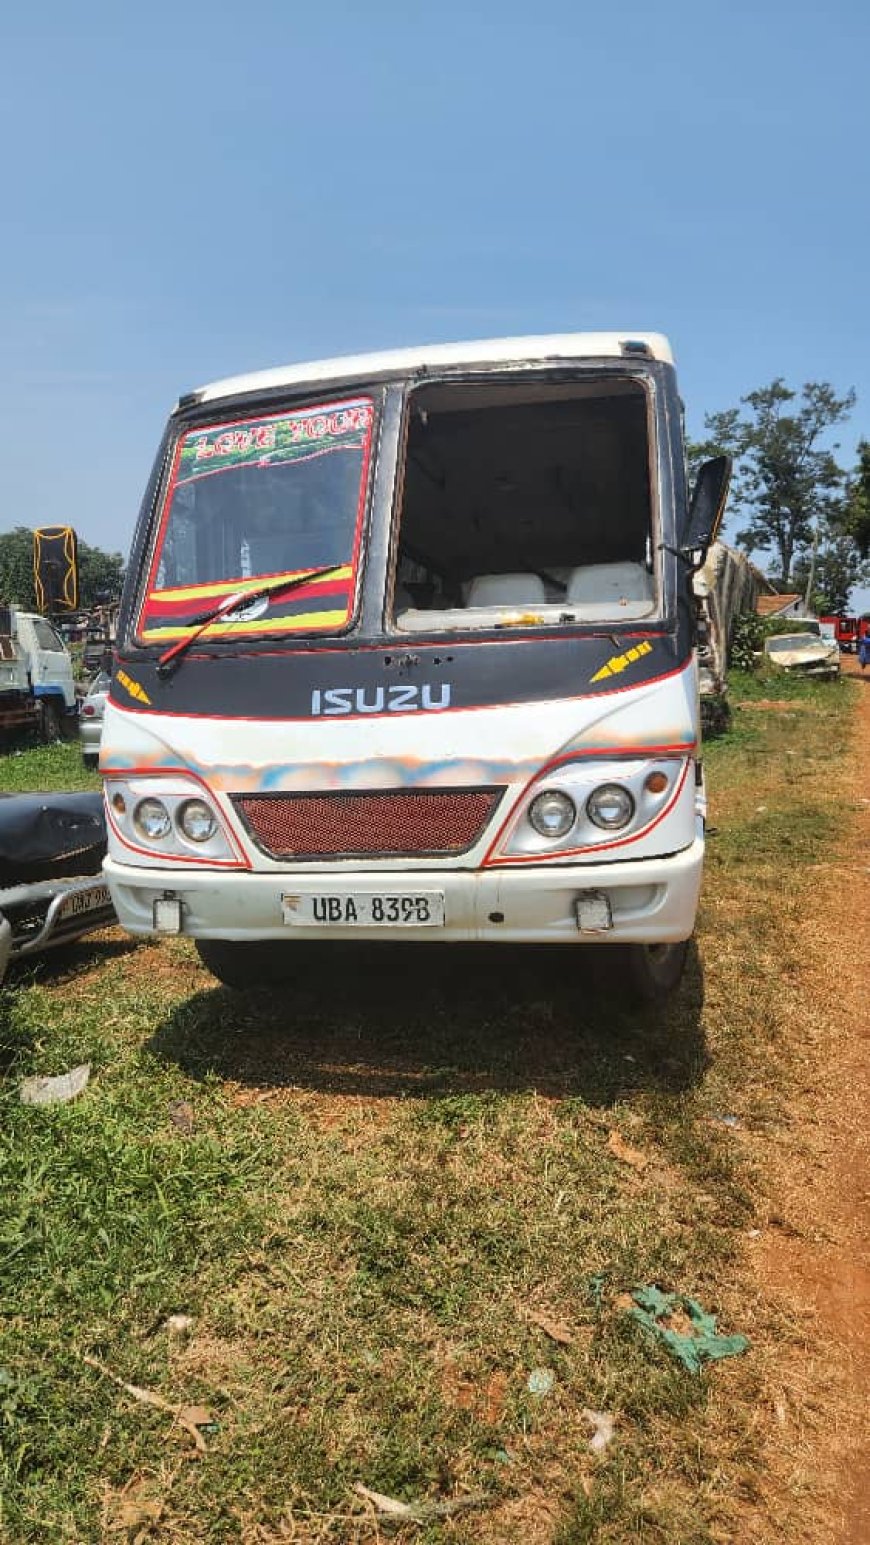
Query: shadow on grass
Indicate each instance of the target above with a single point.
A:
(423, 1021)
(72, 958)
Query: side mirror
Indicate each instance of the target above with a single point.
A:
(708, 505)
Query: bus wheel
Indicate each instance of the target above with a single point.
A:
(655, 970)
(246, 966)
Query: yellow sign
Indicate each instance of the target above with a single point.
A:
(621, 662)
(133, 687)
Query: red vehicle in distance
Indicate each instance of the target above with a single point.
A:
(848, 631)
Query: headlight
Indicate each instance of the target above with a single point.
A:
(610, 806)
(152, 819)
(196, 821)
(552, 814)
(163, 817)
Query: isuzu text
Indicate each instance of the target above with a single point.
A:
(407, 651)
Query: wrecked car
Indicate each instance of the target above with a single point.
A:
(806, 654)
(51, 884)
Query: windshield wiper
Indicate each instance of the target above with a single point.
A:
(171, 658)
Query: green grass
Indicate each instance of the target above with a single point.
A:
(48, 768)
(378, 1180)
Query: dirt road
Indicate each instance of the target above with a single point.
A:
(825, 1273)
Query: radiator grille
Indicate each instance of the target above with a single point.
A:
(391, 822)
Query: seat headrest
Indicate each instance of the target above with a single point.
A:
(506, 590)
(610, 582)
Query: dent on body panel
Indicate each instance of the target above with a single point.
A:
(658, 713)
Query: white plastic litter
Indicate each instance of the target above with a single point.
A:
(42, 1090)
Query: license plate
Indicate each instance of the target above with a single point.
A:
(80, 902)
(357, 909)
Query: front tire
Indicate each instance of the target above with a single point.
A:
(245, 967)
(49, 721)
(656, 970)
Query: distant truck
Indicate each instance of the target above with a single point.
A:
(37, 690)
(847, 631)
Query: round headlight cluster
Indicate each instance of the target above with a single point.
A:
(552, 814)
(151, 818)
(610, 806)
(193, 819)
(196, 820)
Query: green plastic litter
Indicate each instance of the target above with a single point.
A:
(702, 1346)
(597, 1285)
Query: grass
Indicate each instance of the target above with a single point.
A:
(53, 767)
(373, 1196)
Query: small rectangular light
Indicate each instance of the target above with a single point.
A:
(593, 912)
(167, 914)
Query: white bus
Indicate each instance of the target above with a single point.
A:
(407, 652)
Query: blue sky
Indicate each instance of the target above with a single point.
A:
(189, 192)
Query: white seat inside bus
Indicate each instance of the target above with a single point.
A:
(610, 582)
(506, 590)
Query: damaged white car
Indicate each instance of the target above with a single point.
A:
(805, 653)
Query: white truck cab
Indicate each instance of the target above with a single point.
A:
(36, 672)
(407, 651)
(48, 660)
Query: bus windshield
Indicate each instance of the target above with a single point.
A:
(262, 498)
(526, 502)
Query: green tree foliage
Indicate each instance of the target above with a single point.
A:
(787, 482)
(838, 568)
(100, 574)
(16, 567)
(856, 515)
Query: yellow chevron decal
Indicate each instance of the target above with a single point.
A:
(620, 662)
(133, 687)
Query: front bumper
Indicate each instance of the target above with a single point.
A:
(652, 901)
(45, 913)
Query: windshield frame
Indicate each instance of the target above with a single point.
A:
(535, 620)
(228, 417)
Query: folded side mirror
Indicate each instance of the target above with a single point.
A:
(708, 506)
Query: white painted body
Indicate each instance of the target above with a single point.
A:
(653, 880)
(546, 348)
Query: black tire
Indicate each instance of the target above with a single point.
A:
(656, 970)
(50, 722)
(245, 967)
(91, 760)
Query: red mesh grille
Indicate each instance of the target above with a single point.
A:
(326, 825)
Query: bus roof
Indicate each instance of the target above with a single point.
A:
(493, 351)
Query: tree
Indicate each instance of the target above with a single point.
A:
(101, 574)
(787, 484)
(856, 515)
(838, 568)
(16, 568)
